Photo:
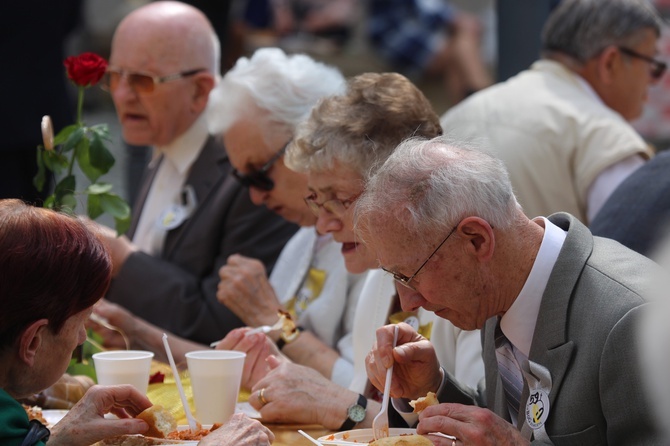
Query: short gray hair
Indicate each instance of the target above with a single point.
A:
(362, 127)
(430, 185)
(584, 28)
(285, 87)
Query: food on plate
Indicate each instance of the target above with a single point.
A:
(423, 402)
(188, 434)
(35, 413)
(160, 421)
(137, 440)
(402, 440)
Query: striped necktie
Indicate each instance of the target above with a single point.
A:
(510, 373)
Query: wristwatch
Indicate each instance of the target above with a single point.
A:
(355, 413)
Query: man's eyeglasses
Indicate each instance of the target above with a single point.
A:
(334, 206)
(657, 67)
(259, 179)
(406, 281)
(140, 82)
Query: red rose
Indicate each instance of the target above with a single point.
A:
(85, 69)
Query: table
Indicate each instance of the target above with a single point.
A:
(287, 435)
(166, 394)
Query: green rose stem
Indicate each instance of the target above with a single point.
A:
(80, 106)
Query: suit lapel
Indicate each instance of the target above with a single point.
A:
(207, 172)
(551, 348)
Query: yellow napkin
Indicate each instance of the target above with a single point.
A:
(167, 395)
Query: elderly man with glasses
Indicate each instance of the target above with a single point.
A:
(558, 307)
(191, 214)
(561, 127)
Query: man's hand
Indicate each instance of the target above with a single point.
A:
(416, 370)
(470, 424)
(120, 247)
(118, 317)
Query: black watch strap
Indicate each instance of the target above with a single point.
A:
(350, 423)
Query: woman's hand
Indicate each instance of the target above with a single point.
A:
(257, 346)
(240, 430)
(85, 424)
(244, 288)
(297, 394)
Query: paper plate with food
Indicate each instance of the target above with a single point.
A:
(366, 436)
(163, 430)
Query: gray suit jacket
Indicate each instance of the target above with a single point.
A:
(585, 337)
(178, 290)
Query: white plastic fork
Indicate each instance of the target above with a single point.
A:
(380, 425)
(265, 329)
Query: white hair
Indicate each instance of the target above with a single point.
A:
(285, 87)
(429, 185)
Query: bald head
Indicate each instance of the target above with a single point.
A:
(169, 36)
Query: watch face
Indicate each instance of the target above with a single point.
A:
(357, 413)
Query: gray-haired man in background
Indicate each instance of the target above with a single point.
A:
(561, 126)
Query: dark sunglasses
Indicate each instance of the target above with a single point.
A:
(140, 82)
(657, 67)
(259, 179)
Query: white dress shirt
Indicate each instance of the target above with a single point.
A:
(166, 189)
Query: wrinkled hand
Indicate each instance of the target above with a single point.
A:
(118, 317)
(85, 424)
(120, 247)
(300, 395)
(416, 370)
(470, 424)
(244, 288)
(257, 346)
(240, 430)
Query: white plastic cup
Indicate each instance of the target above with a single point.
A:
(124, 367)
(215, 379)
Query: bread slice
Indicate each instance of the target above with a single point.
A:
(423, 402)
(403, 440)
(160, 421)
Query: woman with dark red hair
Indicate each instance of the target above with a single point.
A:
(52, 271)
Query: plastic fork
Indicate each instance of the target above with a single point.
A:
(380, 425)
(265, 329)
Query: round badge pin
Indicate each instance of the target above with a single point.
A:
(537, 408)
(413, 321)
(172, 217)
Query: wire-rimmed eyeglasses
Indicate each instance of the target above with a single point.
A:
(406, 281)
(335, 206)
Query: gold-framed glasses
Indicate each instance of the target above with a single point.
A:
(335, 206)
(140, 82)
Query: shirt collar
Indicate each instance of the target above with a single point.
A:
(518, 323)
(183, 151)
(588, 88)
